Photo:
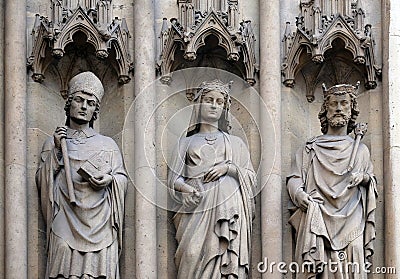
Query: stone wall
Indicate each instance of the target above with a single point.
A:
(292, 118)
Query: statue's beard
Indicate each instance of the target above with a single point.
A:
(338, 122)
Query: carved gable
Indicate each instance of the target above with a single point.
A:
(320, 26)
(196, 23)
(211, 25)
(91, 18)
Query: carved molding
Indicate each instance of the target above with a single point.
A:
(319, 24)
(94, 20)
(197, 22)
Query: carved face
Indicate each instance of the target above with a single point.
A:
(212, 105)
(83, 106)
(338, 110)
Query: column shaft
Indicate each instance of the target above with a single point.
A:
(2, 166)
(391, 112)
(270, 88)
(16, 256)
(144, 177)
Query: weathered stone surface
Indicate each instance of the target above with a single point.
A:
(333, 191)
(82, 185)
(213, 191)
(288, 112)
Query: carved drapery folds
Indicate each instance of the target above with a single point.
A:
(200, 19)
(94, 19)
(320, 25)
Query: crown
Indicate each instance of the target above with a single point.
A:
(217, 85)
(340, 89)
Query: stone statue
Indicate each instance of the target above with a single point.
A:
(82, 184)
(333, 188)
(212, 181)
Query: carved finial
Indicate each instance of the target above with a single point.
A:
(37, 21)
(324, 89)
(289, 83)
(164, 25)
(287, 30)
(310, 98)
(249, 27)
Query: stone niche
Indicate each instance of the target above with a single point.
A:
(70, 37)
(331, 44)
(207, 34)
(203, 35)
(80, 36)
(77, 36)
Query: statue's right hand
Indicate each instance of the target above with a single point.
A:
(191, 199)
(303, 199)
(60, 133)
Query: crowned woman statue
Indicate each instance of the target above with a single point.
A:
(212, 179)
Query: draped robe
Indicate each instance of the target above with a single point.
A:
(86, 238)
(214, 238)
(339, 225)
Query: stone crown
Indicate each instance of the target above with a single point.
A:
(216, 85)
(340, 89)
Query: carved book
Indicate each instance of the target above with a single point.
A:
(96, 166)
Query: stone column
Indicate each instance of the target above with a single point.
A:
(144, 154)
(391, 128)
(15, 145)
(270, 125)
(2, 169)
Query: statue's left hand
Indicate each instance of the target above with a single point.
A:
(101, 181)
(357, 178)
(216, 172)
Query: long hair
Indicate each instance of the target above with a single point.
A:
(68, 106)
(322, 115)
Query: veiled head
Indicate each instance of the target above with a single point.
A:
(212, 102)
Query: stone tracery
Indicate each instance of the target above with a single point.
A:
(319, 25)
(198, 20)
(92, 18)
